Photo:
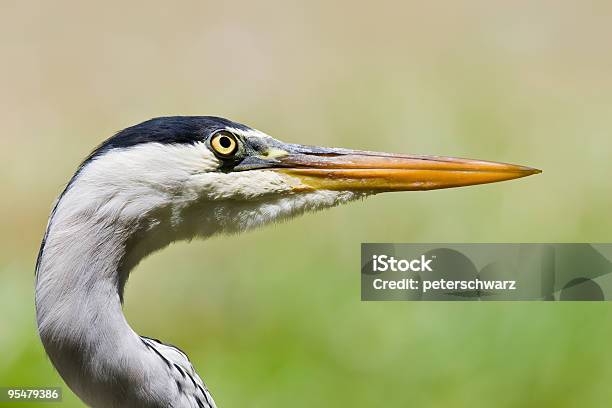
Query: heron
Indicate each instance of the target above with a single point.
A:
(178, 178)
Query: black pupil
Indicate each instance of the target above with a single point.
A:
(225, 142)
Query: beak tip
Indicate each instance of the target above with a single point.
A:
(530, 171)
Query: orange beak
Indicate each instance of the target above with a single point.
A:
(350, 170)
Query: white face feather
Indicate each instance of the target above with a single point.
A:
(145, 182)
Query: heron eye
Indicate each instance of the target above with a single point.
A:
(224, 144)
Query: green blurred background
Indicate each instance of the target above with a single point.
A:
(273, 318)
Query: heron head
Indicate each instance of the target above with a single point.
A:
(216, 175)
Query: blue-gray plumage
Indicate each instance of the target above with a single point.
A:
(177, 178)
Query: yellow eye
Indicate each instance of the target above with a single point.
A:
(224, 144)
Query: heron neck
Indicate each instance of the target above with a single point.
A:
(80, 278)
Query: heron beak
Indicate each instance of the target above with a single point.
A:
(351, 170)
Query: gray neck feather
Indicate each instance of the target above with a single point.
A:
(85, 263)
